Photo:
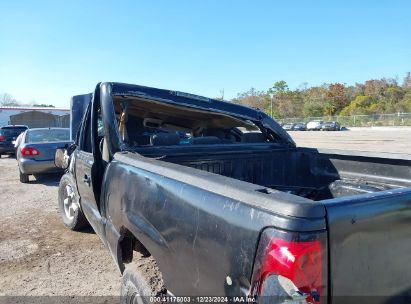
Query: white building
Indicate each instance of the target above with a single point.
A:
(35, 117)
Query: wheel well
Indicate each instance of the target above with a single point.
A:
(128, 244)
(139, 263)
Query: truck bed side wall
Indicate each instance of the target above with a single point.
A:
(197, 236)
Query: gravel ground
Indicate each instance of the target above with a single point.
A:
(384, 140)
(38, 255)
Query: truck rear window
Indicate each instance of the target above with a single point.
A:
(147, 123)
(35, 136)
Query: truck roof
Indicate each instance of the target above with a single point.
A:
(185, 99)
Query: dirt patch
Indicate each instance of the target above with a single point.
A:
(38, 255)
(16, 249)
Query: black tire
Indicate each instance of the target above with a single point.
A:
(141, 280)
(39, 176)
(24, 178)
(78, 221)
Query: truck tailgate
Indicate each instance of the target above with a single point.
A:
(370, 247)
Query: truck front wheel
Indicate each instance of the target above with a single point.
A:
(141, 280)
(69, 204)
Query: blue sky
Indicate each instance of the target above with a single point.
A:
(51, 50)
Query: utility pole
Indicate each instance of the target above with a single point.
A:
(271, 94)
(271, 107)
(222, 94)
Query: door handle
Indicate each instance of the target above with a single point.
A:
(86, 179)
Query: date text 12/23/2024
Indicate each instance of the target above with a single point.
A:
(200, 299)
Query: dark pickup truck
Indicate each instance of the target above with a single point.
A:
(202, 198)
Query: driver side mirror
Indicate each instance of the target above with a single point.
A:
(62, 156)
(71, 148)
(61, 159)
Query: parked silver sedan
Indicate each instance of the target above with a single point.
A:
(37, 148)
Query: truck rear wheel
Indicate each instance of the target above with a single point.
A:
(141, 280)
(69, 204)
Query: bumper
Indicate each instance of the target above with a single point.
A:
(7, 149)
(30, 166)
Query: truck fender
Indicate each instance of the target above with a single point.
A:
(122, 245)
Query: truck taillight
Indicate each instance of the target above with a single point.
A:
(29, 152)
(290, 268)
(2, 138)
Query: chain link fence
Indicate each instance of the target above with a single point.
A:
(375, 120)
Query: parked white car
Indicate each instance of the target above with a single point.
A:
(314, 125)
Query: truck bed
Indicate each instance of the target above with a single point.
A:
(300, 171)
(349, 195)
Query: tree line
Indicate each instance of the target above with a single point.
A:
(375, 96)
(7, 100)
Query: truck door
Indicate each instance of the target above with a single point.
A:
(87, 174)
